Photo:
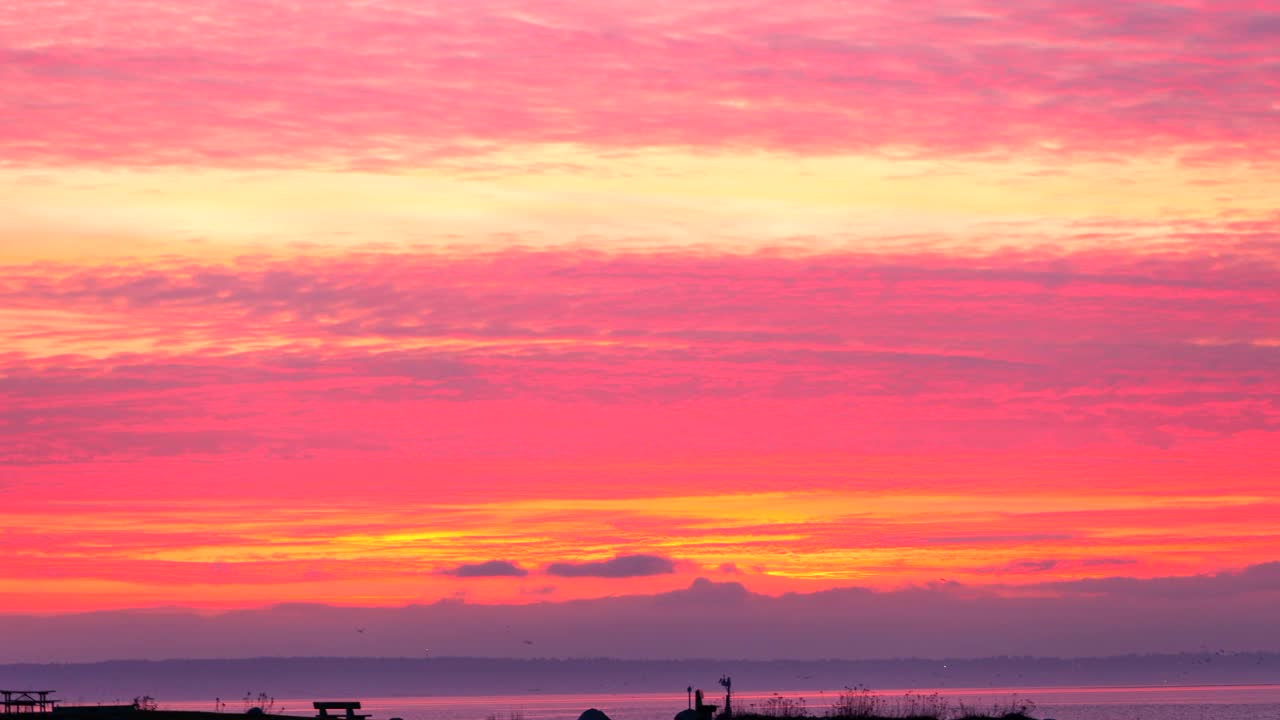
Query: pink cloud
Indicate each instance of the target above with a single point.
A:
(997, 351)
(396, 84)
(442, 380)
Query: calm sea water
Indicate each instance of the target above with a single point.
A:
(1237, 702)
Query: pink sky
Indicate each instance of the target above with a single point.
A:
(488, 300)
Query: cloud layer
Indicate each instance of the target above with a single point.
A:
(442, 298)
(399, 84)
(969, 352)
(1012, 417)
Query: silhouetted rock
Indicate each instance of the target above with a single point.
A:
(689, 714)
(592, 714)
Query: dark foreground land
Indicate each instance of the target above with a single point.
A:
(132, 712)
(979, 716)
(943, 711)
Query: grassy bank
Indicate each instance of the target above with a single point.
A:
(860, 703)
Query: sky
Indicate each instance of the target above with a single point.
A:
(379, 303)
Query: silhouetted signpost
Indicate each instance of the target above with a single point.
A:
(727, 683)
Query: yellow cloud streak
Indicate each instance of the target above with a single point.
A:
(552, 195)
(701, 529)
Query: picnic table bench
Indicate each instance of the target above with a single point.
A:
(349, 708)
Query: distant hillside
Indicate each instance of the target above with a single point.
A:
(173, 680)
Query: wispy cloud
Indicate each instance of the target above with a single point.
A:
(400, 84)
(986, 351)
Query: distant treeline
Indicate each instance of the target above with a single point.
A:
(173, 680)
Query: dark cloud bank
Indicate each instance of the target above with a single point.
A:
(622, 566)
(1233, 612)
(492, 568)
